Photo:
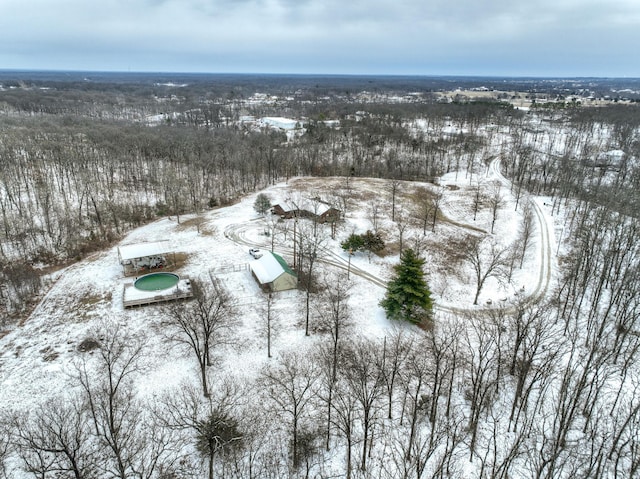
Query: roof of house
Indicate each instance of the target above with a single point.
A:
(315, 207)
(321, 208)
(140, 250)
(284, 264)
(269, 267)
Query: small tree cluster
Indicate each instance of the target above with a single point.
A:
(370, 242)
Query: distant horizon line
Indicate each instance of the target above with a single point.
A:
(355, 75)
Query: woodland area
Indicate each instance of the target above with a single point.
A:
(544, 390)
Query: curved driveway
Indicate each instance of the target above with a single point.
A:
(238, 234)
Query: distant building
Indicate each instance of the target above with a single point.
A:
(285, 211)
(329, 214)
(315, 209)
(273, 273)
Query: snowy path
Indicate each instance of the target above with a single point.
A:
(544, 242)
(238, 234)
(244, 234)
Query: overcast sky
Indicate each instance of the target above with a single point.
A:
(422, 37)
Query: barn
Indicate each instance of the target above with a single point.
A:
(273, 273)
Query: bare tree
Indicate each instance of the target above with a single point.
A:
(19, 282)
(202, 324)
(394, 187)
(345, 406)
(210, 424)
(419, 244)
(531, 361)
(290, 385)
(481, 361)
(487, 261)
(199, 221)
(335, 318)
(310, 245)
(436, 201)
(257, 458)
(362, 371)
(501, 451)
(342, 197)
(441, 345)
(526, 230)
(271, 225)
(495, 200)
(423, 207)
(477, 199)
(6, 445)
(416, 377)
(401, 224)
(55, 439)
(174, 194)
(270, 316)
(374, 215)
(133, 445)
(396, 348)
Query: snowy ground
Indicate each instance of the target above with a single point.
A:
(38, 357)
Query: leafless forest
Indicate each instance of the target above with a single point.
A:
(546, 390)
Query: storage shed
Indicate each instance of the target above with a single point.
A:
(273, 273)
(142, 257)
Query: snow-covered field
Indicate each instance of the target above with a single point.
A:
(37, 357)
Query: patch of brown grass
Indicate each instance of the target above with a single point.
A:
(89, 300)
(49, 354)
(366, 196)
(199, 223)
(177, 261)
(83, 308)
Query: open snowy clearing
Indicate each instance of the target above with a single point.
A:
(38, 357)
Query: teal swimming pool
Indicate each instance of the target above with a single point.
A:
(156, 281)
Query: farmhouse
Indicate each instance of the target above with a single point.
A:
(285, 211)
(142, 257)
(273, 273)
(326, 214)
(315, 209)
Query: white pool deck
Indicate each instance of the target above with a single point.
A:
(132, 296)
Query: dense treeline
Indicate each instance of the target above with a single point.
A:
(512, 394)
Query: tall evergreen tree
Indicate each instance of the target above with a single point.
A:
(408, 297)
(262, 203)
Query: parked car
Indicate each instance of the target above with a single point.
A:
(256, 253)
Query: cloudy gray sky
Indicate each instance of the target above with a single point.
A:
(423, 37)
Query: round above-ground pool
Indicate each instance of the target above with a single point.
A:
(156, 281)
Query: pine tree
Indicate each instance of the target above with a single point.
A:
(369, 242)
(408, 297)
(262, 203)
(353, 243)
(372, 242)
